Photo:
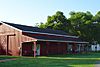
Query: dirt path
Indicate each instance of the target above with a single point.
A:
(7, 60)
(97, 64)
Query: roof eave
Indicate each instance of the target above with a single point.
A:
(51, 34)
(62, 41)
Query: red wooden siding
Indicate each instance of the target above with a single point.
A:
(51, 48)
(27, 49)
(11, 40)
(43, 49)
(57, 48)
(26, 38)
(3, 41)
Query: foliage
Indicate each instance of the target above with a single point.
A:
(56, 22)
(82, 24)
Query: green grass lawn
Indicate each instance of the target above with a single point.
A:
(7, 57)
(78, 60)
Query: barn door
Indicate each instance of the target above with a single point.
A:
(6, 43)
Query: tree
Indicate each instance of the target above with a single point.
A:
(96, 24)
(57, 22)
(81, 24)
(42, 25)
(96, 18)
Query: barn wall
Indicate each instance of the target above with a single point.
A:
(52, 48)
(57, 48)
(11, 37)
(14, 41)
(26, 38)
(43, 48)
(3, 45)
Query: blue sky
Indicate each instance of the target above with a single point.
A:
(30, 12)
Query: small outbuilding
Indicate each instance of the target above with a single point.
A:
(22, 40)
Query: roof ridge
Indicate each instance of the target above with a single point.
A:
(18, 24)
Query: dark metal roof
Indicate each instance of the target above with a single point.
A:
(55, 38)
(42, 37)
(36, 29)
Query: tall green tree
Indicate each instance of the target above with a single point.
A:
(96, 28)
(57, 22)
(82, 24)
(96, 18)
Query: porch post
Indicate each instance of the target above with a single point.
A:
(34, 49)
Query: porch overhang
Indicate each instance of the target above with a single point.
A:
(59, 41)
(55, 38)
(62, 41)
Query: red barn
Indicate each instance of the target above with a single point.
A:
(16, 39)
